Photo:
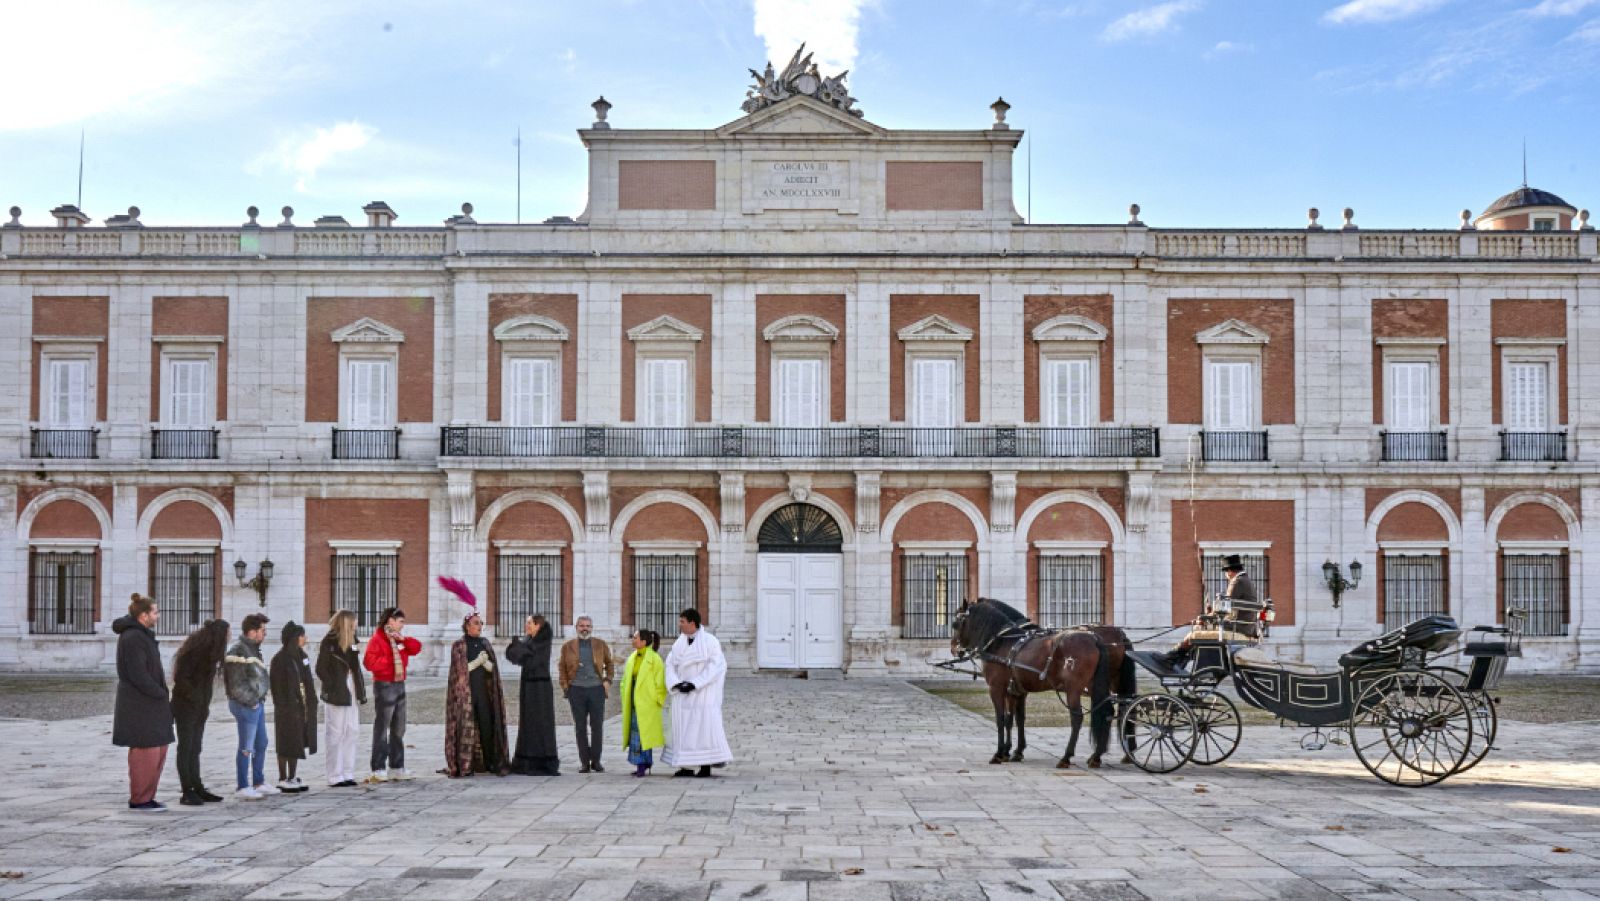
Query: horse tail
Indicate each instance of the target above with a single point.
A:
(1099, 697)
(1128, 677)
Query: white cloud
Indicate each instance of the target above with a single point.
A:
(304, 154)
(1148, 21)
(1588, 33)
(1560, 7)
(828, 28)
(1357, 12)
(1223, 48)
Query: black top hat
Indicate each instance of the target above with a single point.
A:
(1232, 563)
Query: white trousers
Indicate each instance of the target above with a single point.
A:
(341, 731)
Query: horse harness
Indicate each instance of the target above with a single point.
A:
(1023, 636)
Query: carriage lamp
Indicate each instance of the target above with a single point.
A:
(259, 582)
(1336, 581)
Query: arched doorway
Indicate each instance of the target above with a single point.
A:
(800, 590)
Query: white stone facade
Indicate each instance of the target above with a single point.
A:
(1326, 461)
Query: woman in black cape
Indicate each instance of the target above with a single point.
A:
(536, 713)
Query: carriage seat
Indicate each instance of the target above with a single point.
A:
(1221, 635)
(1253, 656)
(1430, 633)
(1491, 641)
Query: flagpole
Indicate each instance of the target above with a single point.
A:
(80, 168)
(519, 175)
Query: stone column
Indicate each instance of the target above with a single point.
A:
(733, 355)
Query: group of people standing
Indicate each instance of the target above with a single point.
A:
(149, 716)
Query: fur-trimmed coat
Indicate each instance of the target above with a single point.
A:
(463, 752)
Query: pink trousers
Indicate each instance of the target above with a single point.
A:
(144, 773)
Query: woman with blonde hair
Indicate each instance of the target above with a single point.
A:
(343, 688)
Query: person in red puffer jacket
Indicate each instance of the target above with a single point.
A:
(388, 656)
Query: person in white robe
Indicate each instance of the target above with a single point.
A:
(695, 673)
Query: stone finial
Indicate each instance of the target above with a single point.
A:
(601, 107)
(1133, 214)
(464, 219)
(130, 220)
(1583, 220)
(1349, 220)
(288, 218)
(16, 218)
(69, 216)
(1311, 220)
(1000, 107)
(1466, 221)
(379, 214)
(252, 212)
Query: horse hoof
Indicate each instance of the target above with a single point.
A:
(998, 758)
(1017, 757)
(1126, 759)
(1064, 765)
(1094, 763)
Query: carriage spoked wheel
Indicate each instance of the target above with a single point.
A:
(1217, 726)
(1158, 732)
(1485, 719)
(1411, 728)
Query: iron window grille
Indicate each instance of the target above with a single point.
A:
(1537, 584)
(62, 592)
(799, 529)
(934, 586)
(527, 584)
(366, 585)
(1071, 590)
(1256, 566)
(184, 587)
(664, 585)
(1414, 586)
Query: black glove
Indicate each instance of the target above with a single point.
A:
(684, 687)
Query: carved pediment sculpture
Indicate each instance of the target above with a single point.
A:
(799, 78)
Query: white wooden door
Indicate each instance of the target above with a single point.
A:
(800, 611)
(822, 610)
(777, 602)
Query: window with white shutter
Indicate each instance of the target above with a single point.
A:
(529, 391)
(1069, 389)
(1409, 386)
(934, 402)
(368, 389)
(188, 393)
(666, 392)
(800, 393)
(1230, 395)
(70, 399)
(1528, 397)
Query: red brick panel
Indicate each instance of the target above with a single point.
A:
(933, 186)
(933, 521)
(1185, 359)
(413, 316)
(772, 307)
(189, 316)
(563, 308)
(693, 309)
(86, 317)
(148, 493)
(1529, 319)
(1068, 521)
(367, 519)
(1413, 521)
(529, 521)
(906, 309)
(1532, 522)
(666, 185)
(188, 520)
(667, 522)
(1242, 521)
(1410, 319)
(65, 518)
(1038, 308)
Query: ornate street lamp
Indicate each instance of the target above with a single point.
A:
(1336, 581)
(259, 582)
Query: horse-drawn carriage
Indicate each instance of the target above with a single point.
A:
(1411, 719)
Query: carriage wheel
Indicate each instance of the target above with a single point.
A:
(1217, 727)
(1411, 728)
(1485, 719)
(1158, 732)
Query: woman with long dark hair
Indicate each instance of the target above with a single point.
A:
(536, 721)
(194, 672)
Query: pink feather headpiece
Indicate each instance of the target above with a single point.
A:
(462, 593)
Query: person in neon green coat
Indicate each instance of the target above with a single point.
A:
(644, 692)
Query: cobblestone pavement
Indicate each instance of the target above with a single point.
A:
(862, 790)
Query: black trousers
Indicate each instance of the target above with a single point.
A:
(588, 714)
(191, 728)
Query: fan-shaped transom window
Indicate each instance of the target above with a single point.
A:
(800, 529)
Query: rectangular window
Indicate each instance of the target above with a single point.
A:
(1544, 225)
(800, 393)
(933, 586)
(1069, 384)
(530, 392)
(528, 584)
(1528, 397)
(1410, 396)
(70, 401)
(188, 393)
(934, 404)
(184, 586)
(1537, 584)
(664, 585)
(666, 393)
(365, 584)
(1414, 586)
(368, 386)
(1230, 399)
(61, 596)
(1255, 566)
(1071, 590)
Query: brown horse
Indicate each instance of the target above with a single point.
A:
(1019, 658)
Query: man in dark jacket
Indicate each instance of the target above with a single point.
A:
(142, 722)
(1242, 618)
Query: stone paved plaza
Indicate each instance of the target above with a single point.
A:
(864, 790)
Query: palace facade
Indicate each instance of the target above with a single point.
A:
(816, 377)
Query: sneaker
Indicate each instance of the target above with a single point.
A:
(248, 794)
(151, 806)
(285, 785)
(400, 775)
(192, 799)
(597, 767)
(208, 797)
(300, 786)
(348, 783)
(379, 776)
(265, 790)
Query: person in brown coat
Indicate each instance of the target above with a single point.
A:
(294, 707)
(586, 671)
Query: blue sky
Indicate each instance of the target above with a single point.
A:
(1205, 112)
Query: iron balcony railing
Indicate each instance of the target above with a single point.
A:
(366, 444)
(64, 444)
(183, 444)
(737, 441)
(1402, 447)
(1537, 447)
(1233, 447)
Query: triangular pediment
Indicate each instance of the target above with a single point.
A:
(368, 331)
(665, 328)
(1232, 331)
(935, 328)
(801, 115)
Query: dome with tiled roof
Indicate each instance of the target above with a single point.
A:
(1528, 208)
(1526, 197)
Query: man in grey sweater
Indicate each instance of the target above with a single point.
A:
(246, 680)
(585, 672)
